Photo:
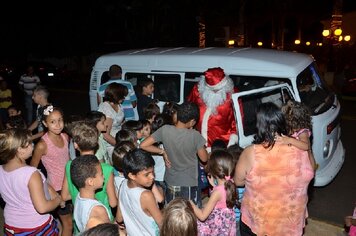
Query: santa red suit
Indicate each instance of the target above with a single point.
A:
(213, 97)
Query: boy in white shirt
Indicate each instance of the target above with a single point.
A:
(87, 176)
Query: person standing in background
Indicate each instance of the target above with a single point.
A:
(130, 101)
(28, 82)
(5, 100)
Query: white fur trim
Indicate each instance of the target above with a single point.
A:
(234, 139)
(204, 124)
(219, 85)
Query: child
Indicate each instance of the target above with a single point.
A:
(5, 100)
(151, 111)
(120, 151)
(98, 118)
(40, 97)
(126, 135)
(85, 137)
(144, 97)
(299, 126)
(235, 152)
(219, 207)
(53, 151)
(87, 176)
(182, 145)
(350, 223)
(135, 125)
(105, 229)
(179, 219)
(22, 188)
(170, 109)
(13, 111)
(138, 208)
(17, 122)
(146, 130)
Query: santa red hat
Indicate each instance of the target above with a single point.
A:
(213, 76)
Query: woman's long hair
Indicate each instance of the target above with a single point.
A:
(270, 121)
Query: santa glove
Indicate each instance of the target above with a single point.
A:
(234, 139)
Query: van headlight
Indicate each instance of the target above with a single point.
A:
(326, 149)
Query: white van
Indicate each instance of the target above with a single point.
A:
(260, 75)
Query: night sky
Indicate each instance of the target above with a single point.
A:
(65, 28)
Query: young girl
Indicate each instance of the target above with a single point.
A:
(179, 219)
(146, 87)
(170, 109)
(218, 216)
(22, 188)
(53, 151)
(299, 126)
(97, 119)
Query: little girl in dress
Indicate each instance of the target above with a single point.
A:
(218, 216)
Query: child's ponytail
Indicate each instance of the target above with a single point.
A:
(231, 195)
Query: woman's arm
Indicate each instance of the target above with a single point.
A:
(243, 166)
(41, 204)
(150, 207)
(107, 136)
(39, 151)
(110, 190)
(202, 214)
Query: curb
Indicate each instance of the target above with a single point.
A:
(315, 227)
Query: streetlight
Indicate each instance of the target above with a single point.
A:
(347, 38)
(297, 41)
(307, 43)
(259, 43)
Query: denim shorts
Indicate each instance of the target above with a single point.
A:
(188, 192)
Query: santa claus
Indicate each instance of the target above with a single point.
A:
(213, 96)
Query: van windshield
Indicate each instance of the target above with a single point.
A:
(313, 90)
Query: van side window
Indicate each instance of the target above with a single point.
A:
(104, 77)
(167, 86)
(191, 78)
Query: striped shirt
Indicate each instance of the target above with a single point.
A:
(29, 83)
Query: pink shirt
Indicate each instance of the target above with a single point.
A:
(55, 161)
(19, 210)
(275, 198)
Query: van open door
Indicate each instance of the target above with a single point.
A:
(249, 100)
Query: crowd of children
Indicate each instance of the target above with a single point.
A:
(134, 177)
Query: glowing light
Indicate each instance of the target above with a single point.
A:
(297, 41)
(307, 43)
(340, 38)
(338, 32)
(319, 44)
(231, 42)
(347, 38)
(326, 33)
(260, 43)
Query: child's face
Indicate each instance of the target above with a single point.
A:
(144, 178)
(54, 122)
(146, 131)
(13, 112)
(148, 90)
(99, 177)
(101, 125)
(36, 97)
(26, 152)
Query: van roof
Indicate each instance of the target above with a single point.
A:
(244, 61)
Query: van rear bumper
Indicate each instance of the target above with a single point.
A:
(328, 173)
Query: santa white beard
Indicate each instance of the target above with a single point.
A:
(214, 96)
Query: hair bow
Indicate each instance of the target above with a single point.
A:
(48, 110)
(228, 178)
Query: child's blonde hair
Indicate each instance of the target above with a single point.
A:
(179, 219)
(10, 141)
